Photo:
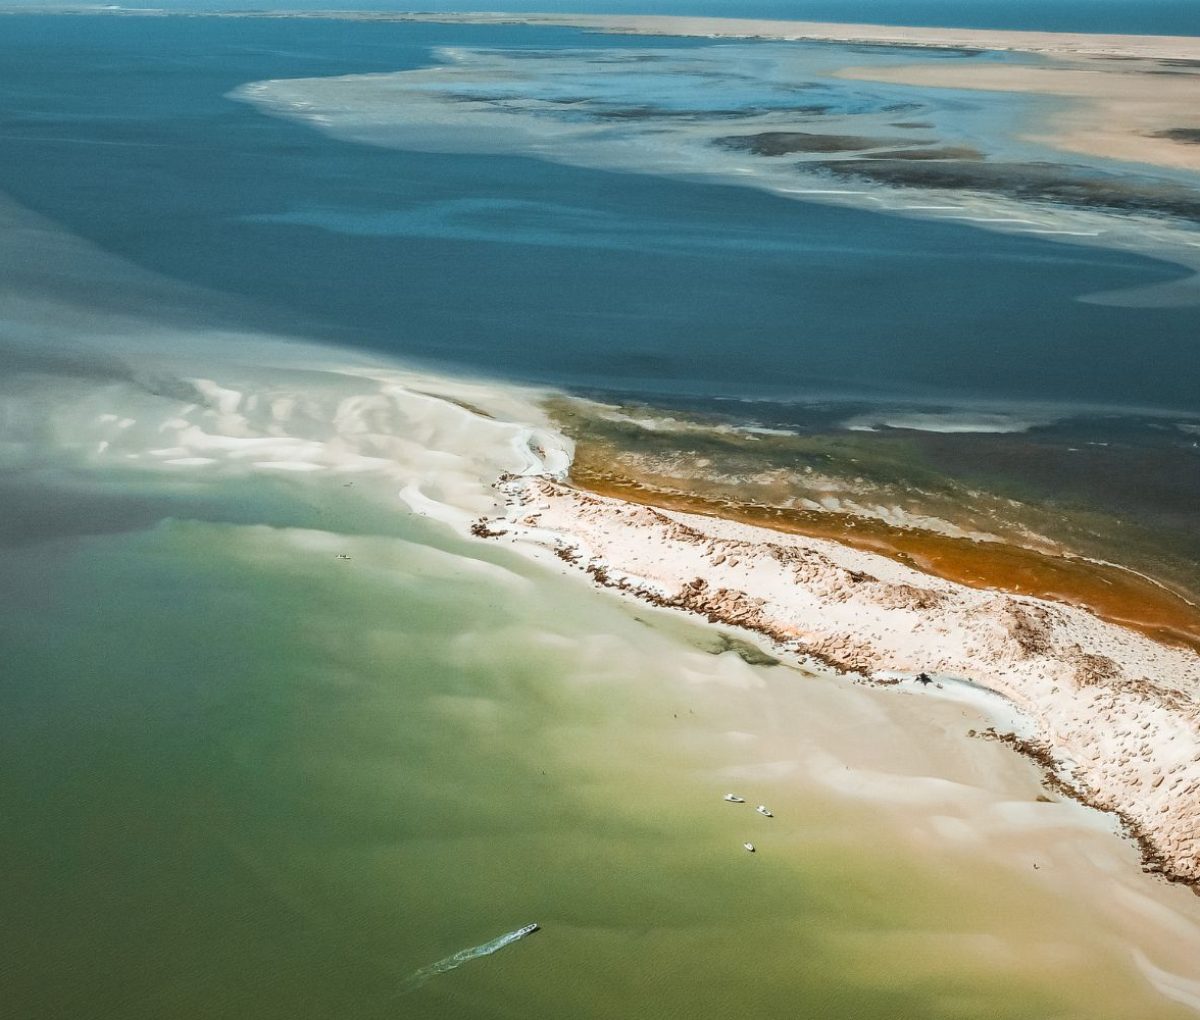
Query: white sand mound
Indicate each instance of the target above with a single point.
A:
(1115, 715)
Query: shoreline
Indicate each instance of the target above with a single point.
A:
(1126, 109)
(1116, 593)
(1116, 85)
(471, 431)
(1113, 714)
(366, 472)
(931, 37)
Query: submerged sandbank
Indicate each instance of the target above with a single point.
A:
(1142, 92)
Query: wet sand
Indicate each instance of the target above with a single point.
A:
(1139, 110)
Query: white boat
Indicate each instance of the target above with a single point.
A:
(529, 929)
(733, 798)
(762, 810)
(749, 846)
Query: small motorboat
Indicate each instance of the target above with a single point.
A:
(343, 556)
(749, 846)
(733, 798)
(529, 929)
(762, 809)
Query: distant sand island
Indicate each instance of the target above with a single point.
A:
(1138, 96)
(1089, 139)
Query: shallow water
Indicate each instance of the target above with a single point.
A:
(274, 741)
(241, 775)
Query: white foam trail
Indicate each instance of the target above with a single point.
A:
(450, 963)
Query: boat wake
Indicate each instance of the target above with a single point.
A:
(450, 963)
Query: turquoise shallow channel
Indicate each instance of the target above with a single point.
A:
(275, 742)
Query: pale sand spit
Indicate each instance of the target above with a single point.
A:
(1118, 109)
(1115, 716)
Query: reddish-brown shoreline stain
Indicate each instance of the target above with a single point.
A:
(1112, 593)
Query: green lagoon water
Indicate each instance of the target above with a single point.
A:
(244, 778)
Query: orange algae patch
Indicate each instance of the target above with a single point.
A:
(1111, 592)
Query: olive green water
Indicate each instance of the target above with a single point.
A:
(242, 777)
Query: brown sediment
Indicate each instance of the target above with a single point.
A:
(1111, 592)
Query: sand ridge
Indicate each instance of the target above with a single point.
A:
(1176, 47)
(1135, 96)
(1114, 715)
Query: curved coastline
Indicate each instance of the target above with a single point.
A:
(1114, 713)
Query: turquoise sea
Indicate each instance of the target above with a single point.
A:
(276, 739)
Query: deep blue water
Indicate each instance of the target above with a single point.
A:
(119, 129)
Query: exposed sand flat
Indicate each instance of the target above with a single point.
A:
(1129, 98)
(1126, 109)
(1117, 712)
(1156, 47)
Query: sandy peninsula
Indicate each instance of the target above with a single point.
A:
(1126, 97)
(1114, 717)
